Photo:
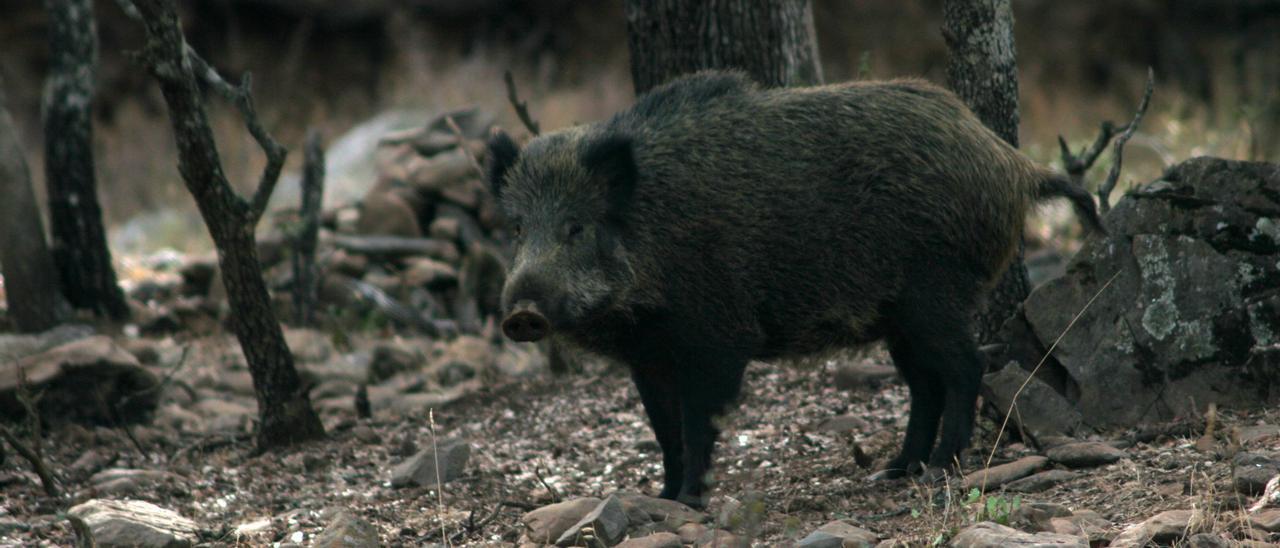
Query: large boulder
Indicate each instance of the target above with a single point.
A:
(1187, 308)
(91, 380)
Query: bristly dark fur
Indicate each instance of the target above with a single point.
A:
(503, 152)
(715, 222)
(1061, 186)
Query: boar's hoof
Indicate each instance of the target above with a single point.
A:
(526, 324)
(697, 502)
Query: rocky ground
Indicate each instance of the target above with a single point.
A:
(794, 459)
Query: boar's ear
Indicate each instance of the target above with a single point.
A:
(610, 158)
(502, 154)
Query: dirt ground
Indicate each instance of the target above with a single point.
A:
(547, 438)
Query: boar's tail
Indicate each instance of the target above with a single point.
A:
(1059, 186)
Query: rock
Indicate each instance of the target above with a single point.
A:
(90, 380)
(1270, 496)
(659, 510)
(988, 534)
(90, 462)
(10, 525)
(1206, 540)
(719, 538)
(1163, 528)
(135, 523)
(1267, 519)
(1084, 454)
(421, 469)
(386, 213)
(1252, 471)
(309, 345)
(839, 534)
(429, 273)
(121, 482)
(545, 525)
(1035, 516)
(16, 347)
(147, 351)
(1260, 435)
(461, 359)
(1191, 309)
(861, 375)
(999, 475)
(444, 228)
(1040, 411)
(1083, 523)
(607, 523)
(346, 530)
(225, 416)
(690, 533)
(392, 358)
(1036, 483)
(743, 517)
(843, 423)
(656, 540)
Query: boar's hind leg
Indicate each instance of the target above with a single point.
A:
(657, 387)
(961, 369)
(927, 399)
(706, 390)
(932, 340)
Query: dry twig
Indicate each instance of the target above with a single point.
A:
(1104, 190)
(33, 454)
(33, 457)
(522, 107)
(1077, 164)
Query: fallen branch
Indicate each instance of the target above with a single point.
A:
(522, 107)
(394, 246)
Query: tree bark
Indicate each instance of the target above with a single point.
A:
(30, 280)
(79, 240)
(983, 71)
(305, 281)
(284, 407)
(771, 40)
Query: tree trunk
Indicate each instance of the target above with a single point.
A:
(771, 40)
(305, 281)
(79, 241)
(30, 281)
(284, 407)
(983, 72)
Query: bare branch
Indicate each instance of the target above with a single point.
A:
(522, 108)
(1104, 190)
(37, 463)
(242, 97)
(1077, 165)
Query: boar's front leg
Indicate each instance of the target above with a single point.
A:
(658, 391)
(706, 390)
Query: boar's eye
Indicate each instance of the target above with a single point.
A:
(575, 229)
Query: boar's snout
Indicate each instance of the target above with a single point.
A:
(526, 323)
